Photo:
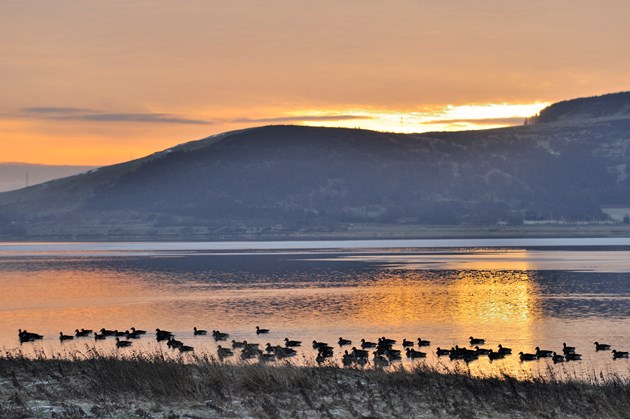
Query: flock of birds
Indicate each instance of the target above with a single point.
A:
(382, 351)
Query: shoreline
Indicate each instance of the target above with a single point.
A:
(343, 232)
(156, 387)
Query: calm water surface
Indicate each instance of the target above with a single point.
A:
(527, 295)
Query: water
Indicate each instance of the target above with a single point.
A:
(534, 293)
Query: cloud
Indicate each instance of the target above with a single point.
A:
(90, 115)
(55, 110)
(482, 121)
(310, 118)
(135, 117)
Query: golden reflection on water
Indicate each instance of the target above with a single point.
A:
(495, 297)
(448, 307)
(444, 306)
(465, 298)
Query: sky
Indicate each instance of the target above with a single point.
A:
(101, 82)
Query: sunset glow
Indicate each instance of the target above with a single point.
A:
(94, 83)
(447, 118)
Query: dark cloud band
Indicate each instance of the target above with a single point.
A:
(483, 121)
(298, 118)
(90, 115)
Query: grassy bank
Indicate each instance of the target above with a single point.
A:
(156, 387)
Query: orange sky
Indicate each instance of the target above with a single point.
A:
(103, 82)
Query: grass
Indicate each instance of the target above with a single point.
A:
(156, 386)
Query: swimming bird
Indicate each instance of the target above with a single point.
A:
(492, 356)
(131, 335)
(366, 344)
(219, 335)
(260, 331)
(224, 352)
(619, 354)
(250, 350)
(199, 332)
(163, 335)
(326, 352)
(361, 360)
(413, 354)
(380, 361)
(406, 343)
(476, 341)
(317, 345)
(385, 341)
(82, 333)
(469, 357)
(28, 336)
(543, 353)
(138, 332)
(357, 356)
(284, 352)
(107, 332)
(442, 352)
(236, 344)
(250, 346)
(482, 351)
(527, 357)
(320, 358)
(250, 353)
(567, 349)
(557, 358)
(99, 337)
(63, 337)
(572, 356)
(122, 343)
(602, 346)
(292, 343)
(462, 353)
(393, 354)
(424, 342)
(503, 350)
(280, 351)
(267, 357)
(343, 341)
(186, 348)
(173, 343)
(347, 359)
(359, 353)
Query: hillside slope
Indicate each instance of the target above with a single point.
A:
(293, 178)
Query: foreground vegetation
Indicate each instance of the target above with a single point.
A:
(154, 386)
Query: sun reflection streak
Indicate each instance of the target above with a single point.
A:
(507, 297)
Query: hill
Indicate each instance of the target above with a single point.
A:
(278, 181)
(610, 106)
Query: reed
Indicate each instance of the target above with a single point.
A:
(155, 385)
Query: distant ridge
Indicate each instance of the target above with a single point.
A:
(19, 175)
(283, 181)
(605, 106)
